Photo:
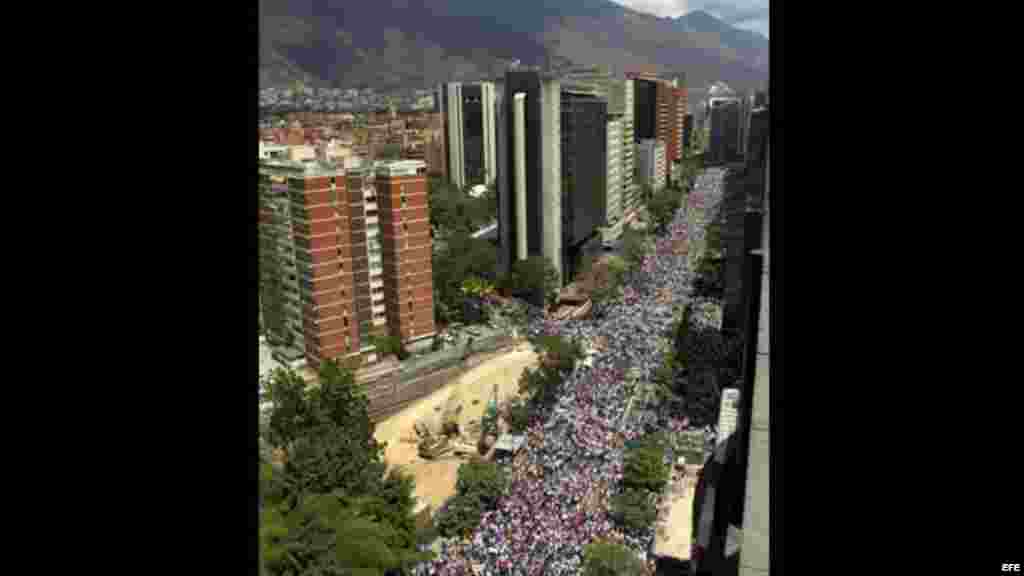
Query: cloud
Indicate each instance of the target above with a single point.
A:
(732, 12)
(737, 12)
(747, 14)
(662, 8)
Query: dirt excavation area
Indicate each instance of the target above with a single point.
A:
(467, 396)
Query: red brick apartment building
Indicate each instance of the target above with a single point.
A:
(679, 117)
(670, 104)
(343, 257)
(407, 248)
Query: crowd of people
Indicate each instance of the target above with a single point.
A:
(563, 480)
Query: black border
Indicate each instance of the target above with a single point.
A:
(252, 161)
(776, 274)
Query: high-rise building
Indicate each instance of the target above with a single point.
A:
(747, 108)
(645, 109)
(469, 122)
(324, 256)
(664, 119)
(584, 178)
(678, 118)
(306, 278)
(621, 100)
(529, 183)
(406, 250)
(651, 165)
(724, 144)
(659, 109)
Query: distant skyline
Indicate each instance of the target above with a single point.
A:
(746, 14)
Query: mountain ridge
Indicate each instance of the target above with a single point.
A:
(393, 44)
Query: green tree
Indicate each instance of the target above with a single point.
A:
(634, 245)
(388, 345)
(478, 487)
(460, 515)
(601, 280)
(535, 278)
(610, 559)
(518, 416)
(661, 210)
(645, 468)
(634, 509)
(558, 356)
(293, 415)
(463, 257)
(710, 278)
(713, 238)
(329, 535)
(331, 507)
(485, 481)
(453, 210)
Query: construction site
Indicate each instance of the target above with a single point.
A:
(432, 437)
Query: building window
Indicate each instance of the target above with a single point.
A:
(403, 201)
(405, 227)
(410, 306)
(346, 322)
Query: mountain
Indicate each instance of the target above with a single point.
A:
(751, 47)
(392, 44)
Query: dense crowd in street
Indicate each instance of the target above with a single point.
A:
(563, 481)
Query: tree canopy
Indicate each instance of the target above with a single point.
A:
(558, 355)
(479, 486)
(535, 278)
(645, 468)
(463, 257)
(331, 508)
(453, 210)
(610, 559)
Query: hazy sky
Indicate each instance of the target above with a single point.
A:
(746, 14)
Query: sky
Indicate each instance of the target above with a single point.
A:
(746, 14)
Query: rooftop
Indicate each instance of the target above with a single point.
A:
(304, 168)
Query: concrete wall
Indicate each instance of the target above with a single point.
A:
(400, 388)
(454, 123)
(490, 149)
(551, 194)
(519, 164)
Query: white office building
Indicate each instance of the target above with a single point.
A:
(651, 164)
(614, 216)
(468, 114)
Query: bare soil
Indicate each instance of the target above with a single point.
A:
(435, 479)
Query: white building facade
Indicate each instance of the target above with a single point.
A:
(614, 215)
(651, 163)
